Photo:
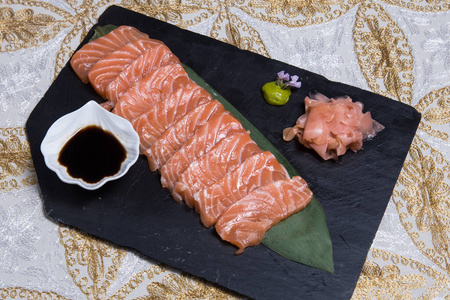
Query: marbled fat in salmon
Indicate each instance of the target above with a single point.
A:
(179, 133)
(151, 89)
(224, 157)
(152, 124)
(88, 55)
(130, 105)
(216, 129)
(245, 222)
(157, 56)
(110, 66)
(256, 171)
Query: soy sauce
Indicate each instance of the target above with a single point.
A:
(92, 154)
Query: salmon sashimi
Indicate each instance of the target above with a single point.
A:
(256, 171)
(157, 56)
(245, 222)
(110, 66)
(88, 55)
(154, 87)
(216, 129)
(224, 157)
(152, 124)
(131, 105)
(179, 133)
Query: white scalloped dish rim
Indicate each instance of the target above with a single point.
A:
(68, 125)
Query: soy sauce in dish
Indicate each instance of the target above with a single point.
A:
(92, 154)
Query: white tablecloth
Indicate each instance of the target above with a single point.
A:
(400, 49)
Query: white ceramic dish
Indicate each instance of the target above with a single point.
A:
(68, 125)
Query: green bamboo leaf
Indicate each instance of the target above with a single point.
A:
(100, 31)
(303, 237)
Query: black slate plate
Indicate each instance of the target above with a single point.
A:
(136, 212)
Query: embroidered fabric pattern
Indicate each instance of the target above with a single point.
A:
(16, 166)
(399, 49)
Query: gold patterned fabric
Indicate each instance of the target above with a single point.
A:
(399, 49)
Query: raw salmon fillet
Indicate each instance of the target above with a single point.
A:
(179, 133)
(152, 124)
(154, 87)
(88, 55)
(256, 171)
(110, 66)
(130, 105)
(157, 56)
(224, 157)
(216, 129)
(245, 222)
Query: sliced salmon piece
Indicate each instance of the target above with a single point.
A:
(157, 56)
(245, 222)
(131, 105)
(110, 66)
(152, 124)
(216, 129)
(88, 55)
(256, 171)
(224, 157)
(179, 133)
(145, 93)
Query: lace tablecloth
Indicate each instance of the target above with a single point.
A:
(399, 49)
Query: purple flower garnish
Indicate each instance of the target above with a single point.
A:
(283, 76)
(285, 80)
(294, 82)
